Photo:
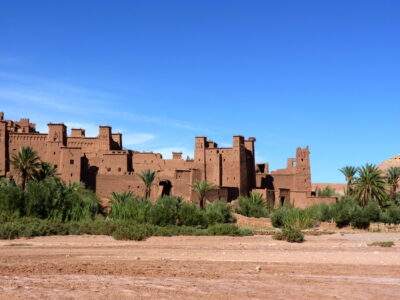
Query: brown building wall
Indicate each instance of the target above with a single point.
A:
(3, 147)
(102, 164)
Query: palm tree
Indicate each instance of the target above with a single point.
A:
(349, 172)
(369, 185)
(201, 188)
(47, 170)
(393, 177)
(148, 177)
(26, 162)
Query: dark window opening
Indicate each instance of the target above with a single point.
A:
(55, 166)
(282, 201)
(71, 162)
(109, 169)
(167, 186)
(119, 169)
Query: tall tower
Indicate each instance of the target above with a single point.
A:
(303, 169)
(200, 155)
(3, 147)
(105, 138)
(57, 134)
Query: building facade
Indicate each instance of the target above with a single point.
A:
(105, 166)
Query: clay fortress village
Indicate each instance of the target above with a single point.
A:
(105, 166)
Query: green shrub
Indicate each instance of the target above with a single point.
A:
(174, 230)
(9, 231)
(127, 207)
(382, 244)
(48, 199)
(11, 199)
(391, 215)
(41, 198)
(191, 215)
(165, 211)
(291, 217)
(219, 212)
(224, 229)
(277, 217)
(342, 211)
(321, 212)
(252, 206)
(373, 211)
(297, 218)
(137, 232)
(289, 234)
(327, 192)
(360, 218)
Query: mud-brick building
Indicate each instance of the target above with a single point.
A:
(105, 166)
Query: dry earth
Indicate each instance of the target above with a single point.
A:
(97, 267)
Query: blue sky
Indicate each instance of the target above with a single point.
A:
(291, 73)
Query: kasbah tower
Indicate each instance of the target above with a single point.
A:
(105, 166)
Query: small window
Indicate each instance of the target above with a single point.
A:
(71, 162)
(119, 169)
(55, 166)
(71, 174)
(108, 169)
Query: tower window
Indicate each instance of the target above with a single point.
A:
(71, 162)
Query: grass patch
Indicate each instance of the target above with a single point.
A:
(289, 234)
(18, 245)
(382, 244)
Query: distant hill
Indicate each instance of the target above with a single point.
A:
(391, 162)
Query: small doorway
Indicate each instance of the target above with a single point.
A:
(166, 187)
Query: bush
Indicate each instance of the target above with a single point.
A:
(252, 206)
(373, 211)
(191, 215)
(219, 212)
(360, 218)
(11, 199)
(342, 211)
(291, 217)
(137, 232)
(289, 234)
(127, 207)
(391, 215)
(224, 229)
(277, 217)
(327, 192)
(321, 212)
(165, 211)
(41, 198)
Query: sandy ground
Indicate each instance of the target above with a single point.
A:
(98, 267)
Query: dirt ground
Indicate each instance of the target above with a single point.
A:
(336, 266)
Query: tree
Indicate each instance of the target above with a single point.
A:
(201, 188)
(369, 185)
(27, 163)
(47, 170)
(392, 178)
(148, 177)
(349, 172)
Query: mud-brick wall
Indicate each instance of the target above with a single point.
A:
(106, 184)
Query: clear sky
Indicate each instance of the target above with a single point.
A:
(290, 73)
